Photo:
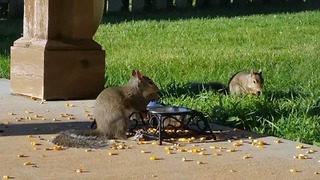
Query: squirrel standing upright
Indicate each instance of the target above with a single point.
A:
(112, 109)
(243, 83)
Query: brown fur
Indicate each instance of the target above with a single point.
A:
(114, 105)
(243, 83)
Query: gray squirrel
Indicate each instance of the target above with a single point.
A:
(112, 110)
(241, 83)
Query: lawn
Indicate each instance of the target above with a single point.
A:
(203, 48)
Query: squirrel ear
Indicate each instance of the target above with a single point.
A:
(251, 72)
(139, 75)
(260, 71)
(133, 73)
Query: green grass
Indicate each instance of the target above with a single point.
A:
(174, 52)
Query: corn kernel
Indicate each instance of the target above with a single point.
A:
(69, 105)
(293, 170)
(79, 170)
(27, 163)
(42, 155)
(10, 113)
(43, 118)
(213, 147)
(28, 112)
(155, 142)
(310, 151)
(169, 152)
(47, 149)
(153, 158)
(200, 162)
(5, 122)
(112, 153)
(299, 147)
(277, 141)
(245, 157)
(302, 156)
(6, 177)
(114, 147)
(236, 144)
(202, 153)
(184, 159)
(34, 143)
(57, 148)
(216, 154)
(22, 155)
(250, 137)
(231, 150)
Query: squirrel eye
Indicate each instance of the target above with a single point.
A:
(254, 81)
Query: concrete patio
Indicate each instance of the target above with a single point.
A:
(30, 124)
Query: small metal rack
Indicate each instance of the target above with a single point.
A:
(174, 119)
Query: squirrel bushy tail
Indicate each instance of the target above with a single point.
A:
(81, 139)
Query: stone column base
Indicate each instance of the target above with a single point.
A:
(57, 74)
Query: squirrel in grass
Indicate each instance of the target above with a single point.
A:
(241, 83)
(112, 110)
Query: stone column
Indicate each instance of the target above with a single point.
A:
(57, 58)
